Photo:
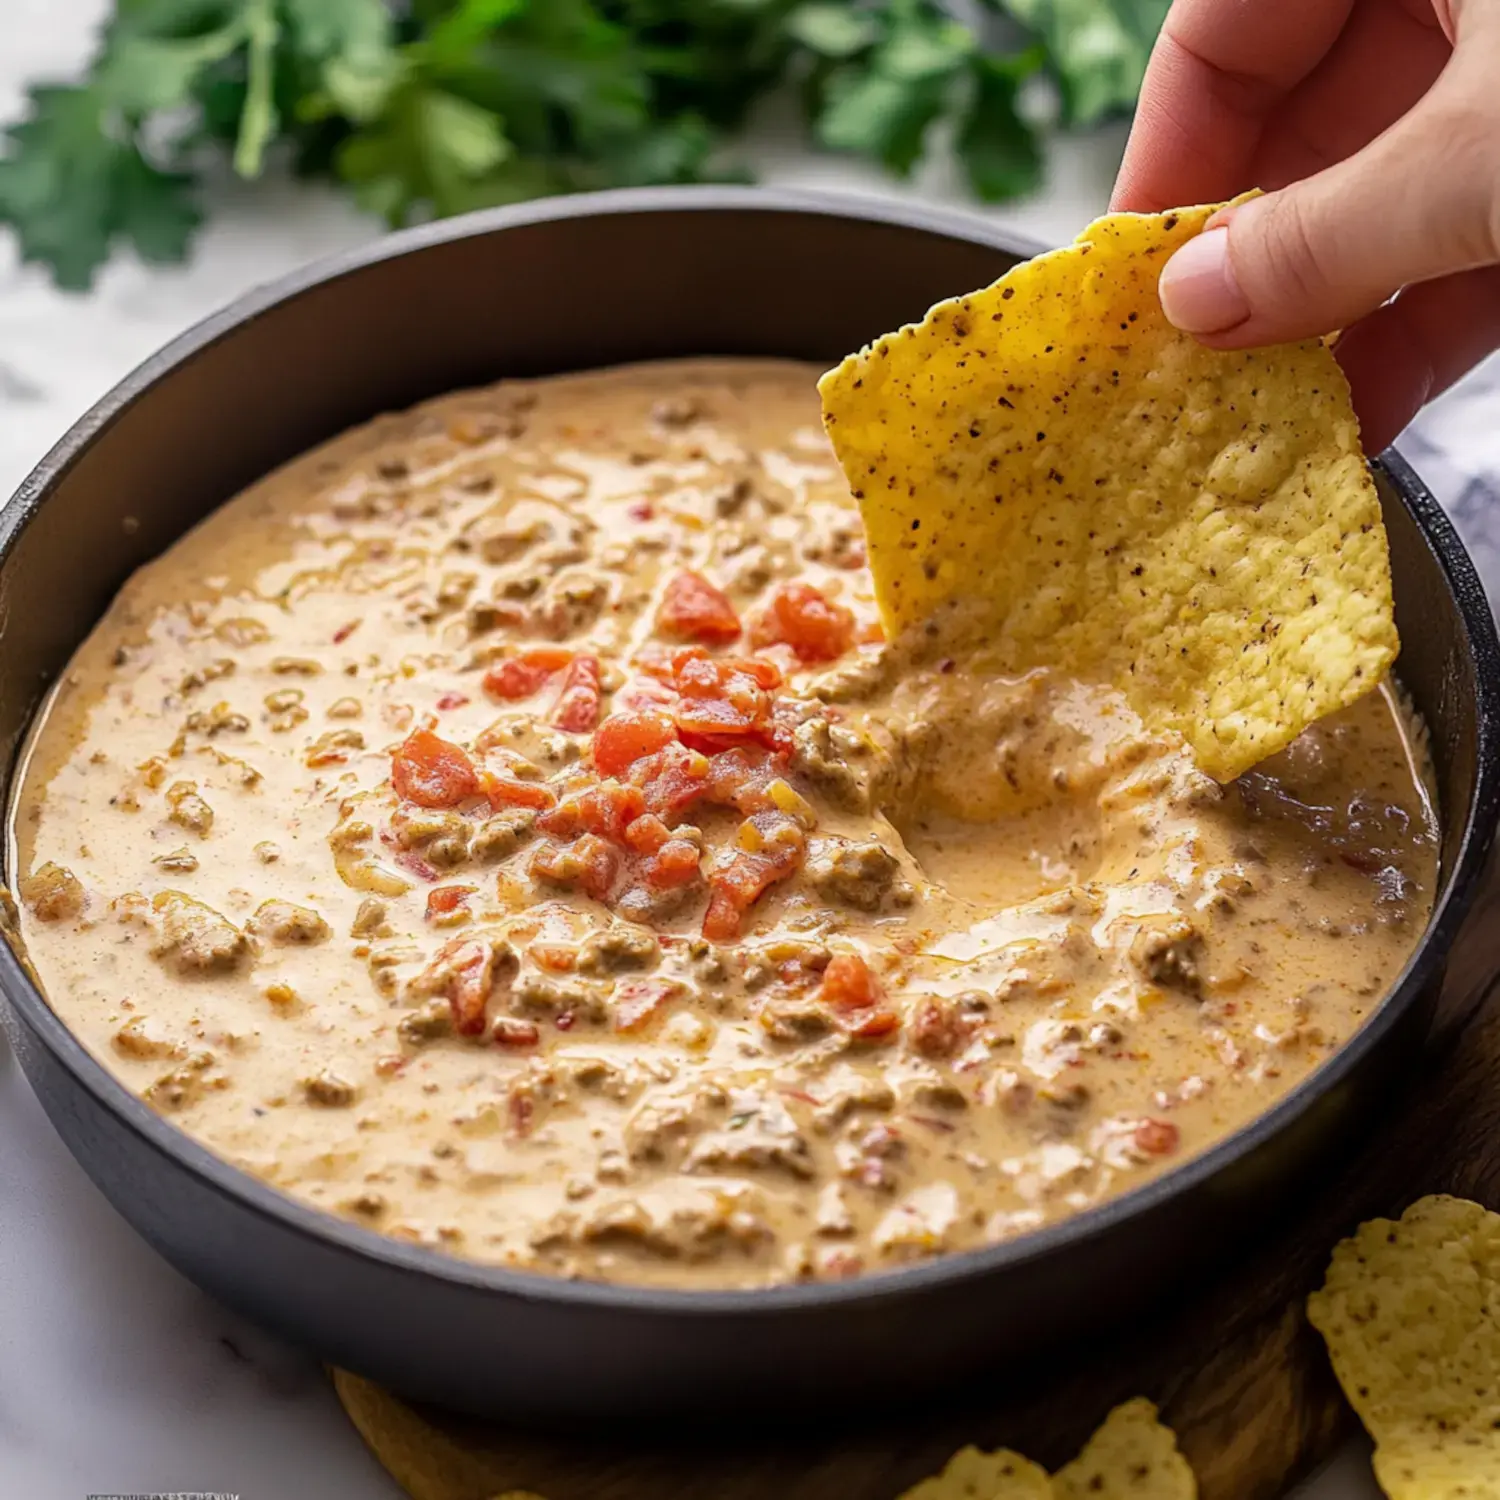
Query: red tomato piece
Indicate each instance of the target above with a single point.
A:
(736, 886)
(577, 708)
(556, 958)
(451, 700)
(848, 983)
(506, 791)
(444, 900)
(672, 866)
(432, 772)
(638, 1002)
(1157, 1137)
(521, 676)
(587, 864)
(647, 834)
(874, 1026)
(606, 810)
(695, 609)
(509, 1032)
(464, 971)
(671, 781)
(623, 739)
(808, 621)
(738, 778)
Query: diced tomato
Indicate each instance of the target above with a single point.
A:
(765, 671)
(521, 676)
(432, 772)
(673, 866)
(736, 886)
(695, 609)
(444, 900)
(638, 1002)
(647, 834)
(451, 700)
(873, 1025)
(808, 621)
(587, 864)
(606, 810)
(464, 971)
(848, 983)
(577, 708)
(719, 705)
(671, 781)
(1157, 1137)
(557, 958)
(507, 791)
(623, 739)
(510, 1032)
(738, 778)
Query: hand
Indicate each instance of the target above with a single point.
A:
(1374, 126)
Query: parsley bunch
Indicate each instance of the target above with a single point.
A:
(432, 107)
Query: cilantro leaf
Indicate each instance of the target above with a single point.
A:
(999, 151)
(430, 151)
(70, 191)
(877, 115)
(431, 107)
(1099, 49)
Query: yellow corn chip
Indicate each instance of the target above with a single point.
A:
(1410, 1311)
(972, 1475)
(1131, 1457)
(1048, 466)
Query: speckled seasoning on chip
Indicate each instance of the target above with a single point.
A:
(1051, 467)
(507, 828)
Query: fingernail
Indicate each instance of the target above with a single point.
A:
(1198, 290)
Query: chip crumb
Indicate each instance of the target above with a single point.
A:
(1408, 1311)
(1103, 493)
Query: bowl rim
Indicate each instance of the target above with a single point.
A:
(291, 1215)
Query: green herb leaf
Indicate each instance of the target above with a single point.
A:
(430, 152)
(1000, 153)
(836, 31)
(1099, 49)
(431, 107)
(70, 191)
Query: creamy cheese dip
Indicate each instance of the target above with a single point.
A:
(505, 827)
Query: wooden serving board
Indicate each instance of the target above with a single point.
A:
(1236, 1369)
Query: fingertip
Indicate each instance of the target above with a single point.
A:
(1199, 291)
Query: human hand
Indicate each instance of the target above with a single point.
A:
(1374, 126)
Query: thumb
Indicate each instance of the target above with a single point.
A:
(1419, 202)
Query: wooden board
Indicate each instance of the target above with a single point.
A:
(1236, 1369)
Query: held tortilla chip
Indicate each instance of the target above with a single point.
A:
(972, 1475)
(1048, 466)
(1410, 1311)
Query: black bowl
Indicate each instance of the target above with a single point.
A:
(566, 285)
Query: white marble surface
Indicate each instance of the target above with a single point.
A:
(116, 1374)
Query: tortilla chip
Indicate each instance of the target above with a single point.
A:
(1131, 1457)
(1050, 467)
(972, 1475)
(1410, 1312)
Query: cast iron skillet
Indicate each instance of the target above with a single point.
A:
(561, 286)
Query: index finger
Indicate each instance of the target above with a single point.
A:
(1219, 70)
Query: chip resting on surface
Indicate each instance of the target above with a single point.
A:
(1410, 1311)
(972, 1475)
(1131, 1457)
(1049, 467)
